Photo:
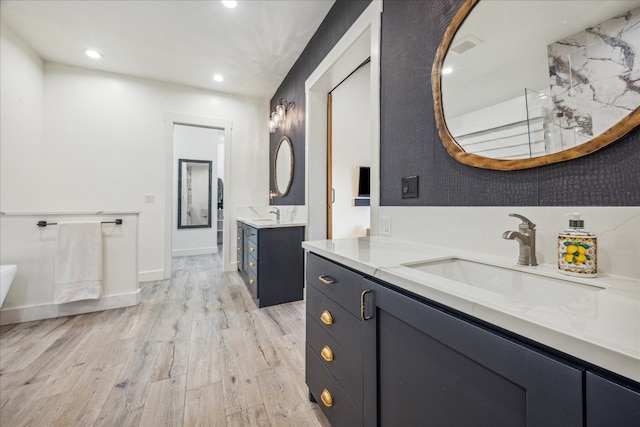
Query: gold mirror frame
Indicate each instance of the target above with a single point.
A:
(611, 135)
(284, 139)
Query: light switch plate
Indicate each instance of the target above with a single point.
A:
(149, 198)
(384, 226)
(410, 187)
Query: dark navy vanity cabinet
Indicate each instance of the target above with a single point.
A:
(271, 262)
(397, 359)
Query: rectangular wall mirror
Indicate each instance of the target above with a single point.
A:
(194, 193)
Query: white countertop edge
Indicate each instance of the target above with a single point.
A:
(270, 223)
(616, 360)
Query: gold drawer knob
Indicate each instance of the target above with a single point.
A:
(238, 237)
(326, 353)
(252, 249)
(326, 318)
(327, 280)
(251, 281)
(251, 263)
(238, 249)
(326, 398)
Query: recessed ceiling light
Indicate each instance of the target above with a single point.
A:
(218, 77)
(447, 70)
(230, 3)
(93, 54)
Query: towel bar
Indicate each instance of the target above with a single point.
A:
(118, 221)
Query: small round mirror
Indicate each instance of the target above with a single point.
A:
(283, 166)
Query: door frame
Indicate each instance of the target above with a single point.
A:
(171, 119)
(360, 42)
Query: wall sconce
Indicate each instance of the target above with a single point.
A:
(279, 114)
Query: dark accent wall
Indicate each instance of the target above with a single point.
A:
(339, 19)
(409, 142)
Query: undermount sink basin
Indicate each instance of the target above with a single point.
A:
(519, 287)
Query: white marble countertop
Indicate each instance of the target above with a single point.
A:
(270, 223)
(601, 327)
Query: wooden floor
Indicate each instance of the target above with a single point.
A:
(195, 352)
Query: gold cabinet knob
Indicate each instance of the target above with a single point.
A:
(251, 281)
(326, 353)
(238, 249)
(326, 398)
(326, 317)
(252, 249)
(326, 279)
(251, 263)
(238, 237)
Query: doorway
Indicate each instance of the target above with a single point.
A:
(349, 156)
(198, 164)
(224, 163)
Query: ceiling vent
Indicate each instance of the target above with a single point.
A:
(464, 44)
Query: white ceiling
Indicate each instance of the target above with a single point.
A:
(181, 41)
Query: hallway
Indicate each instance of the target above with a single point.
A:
(195, 351)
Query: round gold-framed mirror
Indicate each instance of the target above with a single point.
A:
(283, 166)
(573, 109)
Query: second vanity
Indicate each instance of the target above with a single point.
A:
(394, 338)
(270, 260)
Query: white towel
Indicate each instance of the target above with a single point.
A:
(78, 270)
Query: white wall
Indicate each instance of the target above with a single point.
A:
(102, 149)
(21, 121)
(351, 141)
(33, 250)
(196, 143)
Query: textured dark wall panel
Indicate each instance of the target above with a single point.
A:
(411, 33)
(341, 16)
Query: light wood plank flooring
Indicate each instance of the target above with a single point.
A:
(195, 352)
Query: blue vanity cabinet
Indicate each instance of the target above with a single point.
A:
(271, 262)
(611, 404)
(435, 368)
(335, 337)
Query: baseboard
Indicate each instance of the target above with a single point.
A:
(49, 311)
(195, 251)
(150, 276)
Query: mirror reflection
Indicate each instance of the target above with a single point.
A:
(524, 79)
(194, 193)
(283, 166)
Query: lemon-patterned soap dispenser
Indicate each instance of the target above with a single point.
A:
(577, 249)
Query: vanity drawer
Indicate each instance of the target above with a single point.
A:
(342, 285)
(336, 359)
(252, 248)
(342, 326)
(252, 282)
(342, 412)
(253, 265)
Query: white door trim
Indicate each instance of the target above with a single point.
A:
(360, 42)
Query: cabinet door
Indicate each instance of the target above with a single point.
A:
(610, 404)
(436, 369)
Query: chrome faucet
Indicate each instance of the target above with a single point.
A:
(277, 212)
(526, 238)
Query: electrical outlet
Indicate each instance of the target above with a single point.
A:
(410, 187)
(384, 226)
